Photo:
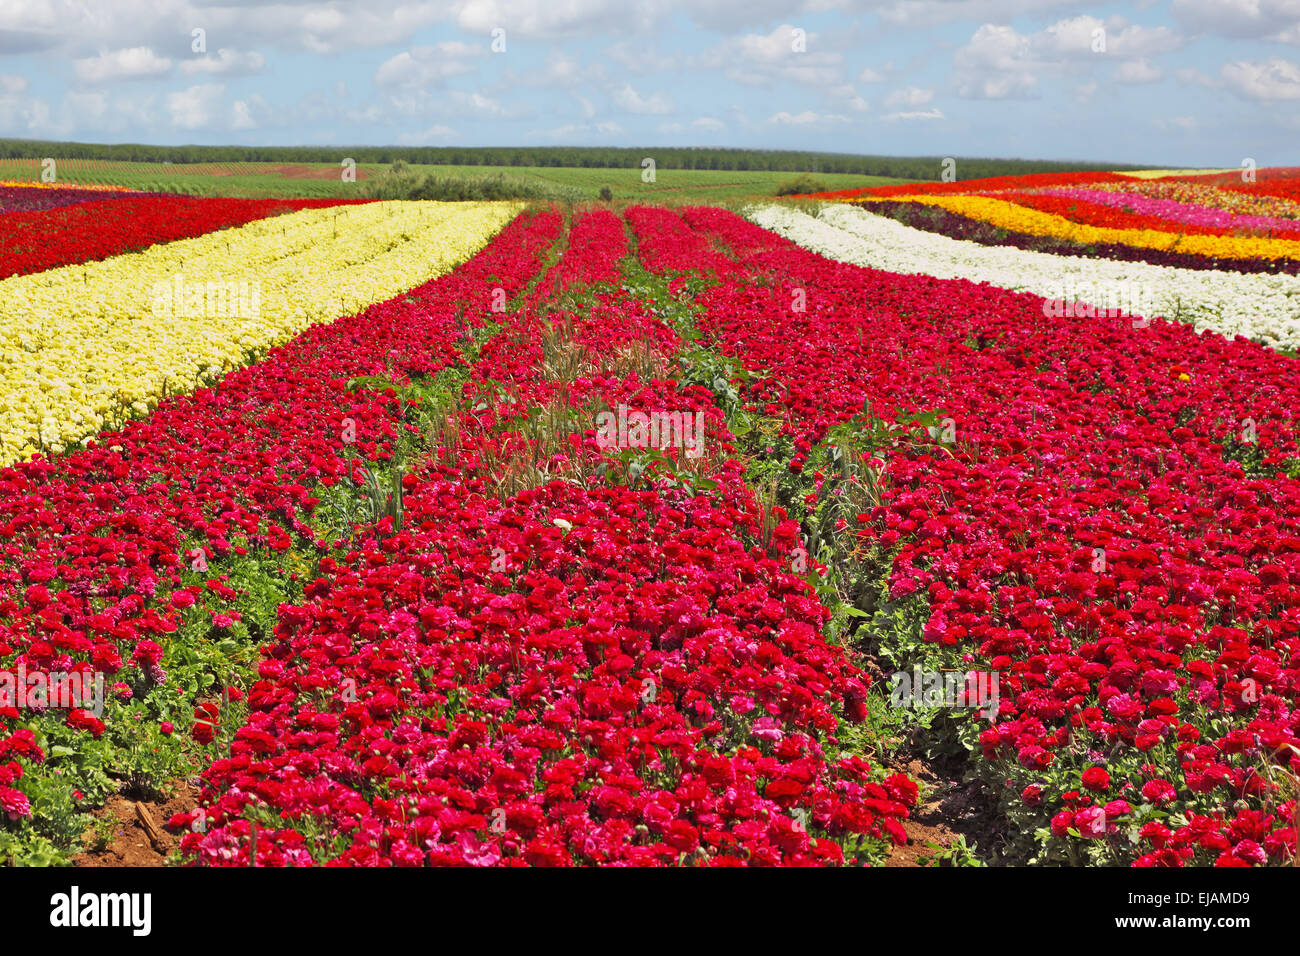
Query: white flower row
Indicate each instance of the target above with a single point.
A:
(1262, 307)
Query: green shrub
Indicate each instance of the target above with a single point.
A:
(408, 184)
(800, 185)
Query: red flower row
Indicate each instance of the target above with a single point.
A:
(1027, 181)
(583, 672)
(96, 543)
(69, 235)
(1114, 529)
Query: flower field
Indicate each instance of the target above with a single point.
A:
(132, 328)
(477, 534)
(1220, 256)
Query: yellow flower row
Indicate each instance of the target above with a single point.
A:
(1006, 215)
(88, 187)
(1158, 173)
(83, 346)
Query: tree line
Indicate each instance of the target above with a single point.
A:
(582, 157)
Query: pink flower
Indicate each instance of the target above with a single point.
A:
(767, 728)
(15, 803)
(478, 854)
(1090, 822)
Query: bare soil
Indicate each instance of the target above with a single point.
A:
(949, 809)
(139, 836)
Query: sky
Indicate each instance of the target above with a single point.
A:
(1162, 82)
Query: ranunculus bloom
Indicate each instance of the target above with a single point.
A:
(1096, 779)
(1090, 822)
(1158, 791)
(14, 803)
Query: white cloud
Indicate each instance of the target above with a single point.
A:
(910, 96)
(630, 101)
(1274, 79)
(251, 112)
(995, 64)
(423, 66)
(728, 16)
(560, 70)
(1141, 42)
(917, 115)
(914, 13)
(1000, 63)
(197, 107)
(1080, 36)
(769, 59)
(27, 27)
(1253, 19)
(640, 59)
(806, 118)
(12, 83)
(429, 104)
(1190, 76)
(325, 28)
(850, 97)
(1137, 71)
(1122, 39)
(527, 18)
(132, 63)
(242, 115)
(709, 124)
(225, 63)
(320, 26)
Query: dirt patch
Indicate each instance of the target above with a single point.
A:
(138, 835)
(313, 172)
(950, 810)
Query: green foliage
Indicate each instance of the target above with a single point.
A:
(581, 157)
(959, 854)
(639, 468)
(133, 756)
(800, 185)
(1251, 456)
(406, 183)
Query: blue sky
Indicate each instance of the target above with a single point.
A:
(1172, 82)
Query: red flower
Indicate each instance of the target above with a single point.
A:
(1096, 779)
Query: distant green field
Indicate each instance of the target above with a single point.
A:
(670, 186)
(324, 180)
